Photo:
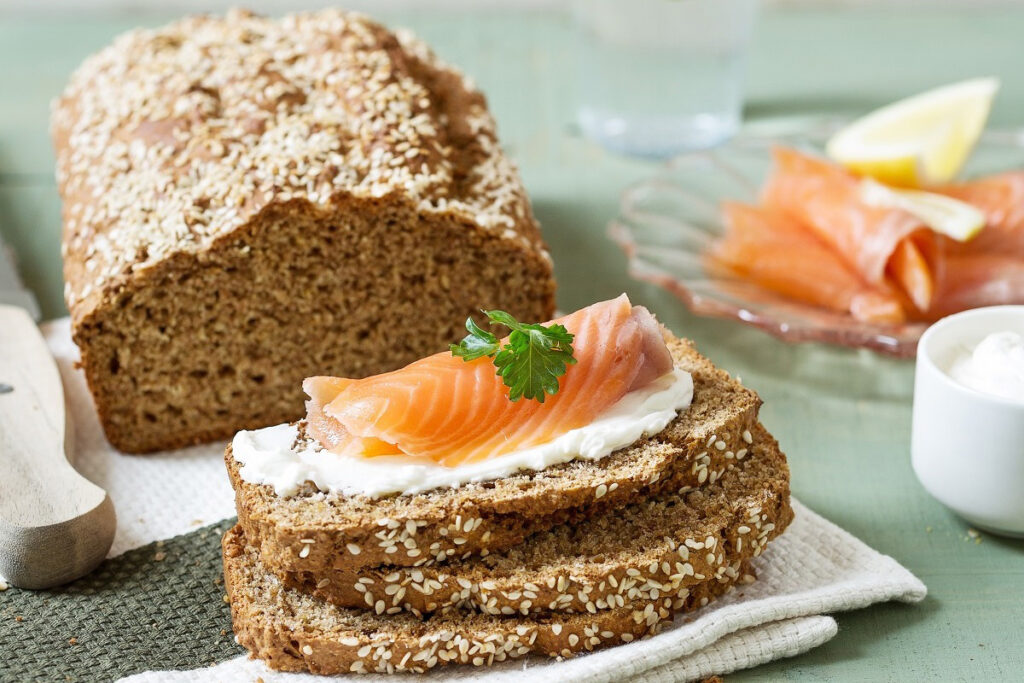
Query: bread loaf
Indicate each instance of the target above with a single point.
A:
(248, 202)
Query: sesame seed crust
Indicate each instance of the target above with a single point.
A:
(292, 631)
(172, 139)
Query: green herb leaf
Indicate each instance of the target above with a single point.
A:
(532, 360)
(477, 344)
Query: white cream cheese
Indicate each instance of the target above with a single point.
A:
(267, 457)
(995, 366)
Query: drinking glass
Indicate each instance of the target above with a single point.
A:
(659, 77)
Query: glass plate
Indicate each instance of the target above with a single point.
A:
(665, 224)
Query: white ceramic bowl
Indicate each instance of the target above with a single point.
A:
(967, 447)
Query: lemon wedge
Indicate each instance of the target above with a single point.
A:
(951, 217)
(919, 141)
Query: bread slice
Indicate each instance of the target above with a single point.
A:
(316, 532)
(293, 631)
(618, 558)
(250, 201)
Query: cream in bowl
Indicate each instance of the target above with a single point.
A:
(994, 366)
(967, 443)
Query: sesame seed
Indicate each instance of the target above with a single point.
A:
(747, 436)
(353, 548)
(307, 650)
(304, 552)
(600, 491)
(720, 445)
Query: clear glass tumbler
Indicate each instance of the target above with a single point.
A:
(659, 77)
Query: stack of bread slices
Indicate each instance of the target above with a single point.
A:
(562, 561)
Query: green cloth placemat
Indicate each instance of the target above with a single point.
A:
(157, 607)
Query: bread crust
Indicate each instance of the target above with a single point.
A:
(313, 532)
(238, 192)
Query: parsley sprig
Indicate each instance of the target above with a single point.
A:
(529, 363)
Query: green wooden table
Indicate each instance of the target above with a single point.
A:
(843, 417)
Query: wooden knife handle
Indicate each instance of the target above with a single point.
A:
(49, 514)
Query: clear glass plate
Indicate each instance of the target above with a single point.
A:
(666, 223)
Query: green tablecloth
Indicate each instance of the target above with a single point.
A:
(843, 417)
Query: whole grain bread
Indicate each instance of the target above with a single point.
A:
(315, 532)
(293, 631)
(248, 202)
(619, 558)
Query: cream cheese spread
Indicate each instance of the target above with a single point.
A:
(995, 366)
(267, 455)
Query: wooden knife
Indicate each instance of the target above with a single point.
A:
(55, 525)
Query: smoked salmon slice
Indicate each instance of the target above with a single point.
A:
(451, 411)
(875, 241)
(1001, 198)
(989, 269)
(769, 248)
(980, 279)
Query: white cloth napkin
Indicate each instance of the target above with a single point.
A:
(814, 569)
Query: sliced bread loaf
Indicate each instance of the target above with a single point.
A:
(251, 201)
(316, 532)
(617, 558)
(293, 631)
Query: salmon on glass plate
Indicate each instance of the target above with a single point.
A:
(858, 234)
